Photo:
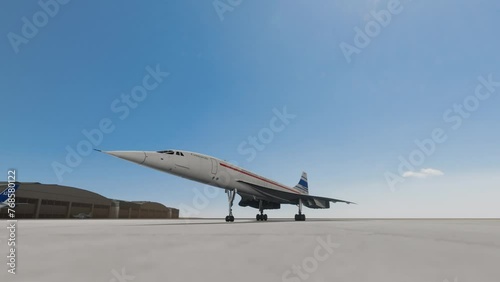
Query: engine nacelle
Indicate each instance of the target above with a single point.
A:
(255, 204)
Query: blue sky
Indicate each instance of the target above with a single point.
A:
(228, 69)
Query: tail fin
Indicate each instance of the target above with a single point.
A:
(302, 186)
(5, 193)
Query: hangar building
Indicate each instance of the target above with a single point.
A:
(36, 200)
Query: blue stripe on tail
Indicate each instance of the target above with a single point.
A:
(303, 186)
(5, 193)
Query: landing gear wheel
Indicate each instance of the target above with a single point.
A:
(300, 217)
(261, 217)
(230, 198)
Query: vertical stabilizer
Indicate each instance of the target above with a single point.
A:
(302, 186)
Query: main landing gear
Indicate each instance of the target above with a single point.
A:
(300, 216)
(261, 216)
(230, 198)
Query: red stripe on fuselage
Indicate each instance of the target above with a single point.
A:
(258, 177)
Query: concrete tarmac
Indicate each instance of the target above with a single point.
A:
(277, 250)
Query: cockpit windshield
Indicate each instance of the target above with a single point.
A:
(169, 152)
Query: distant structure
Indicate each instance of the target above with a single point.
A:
(36, 200)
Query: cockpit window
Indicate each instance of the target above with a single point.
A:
(169, 152)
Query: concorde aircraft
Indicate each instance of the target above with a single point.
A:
(256, 191)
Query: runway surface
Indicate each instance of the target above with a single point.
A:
(246, 250)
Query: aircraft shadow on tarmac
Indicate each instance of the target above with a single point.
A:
(240, 221)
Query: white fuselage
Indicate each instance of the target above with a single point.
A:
(204, 169)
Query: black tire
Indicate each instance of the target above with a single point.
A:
(227, 218)
(300, 217)
(265, 217)
(231, 218)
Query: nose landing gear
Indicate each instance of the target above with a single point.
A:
(230, 198)
(300, 217)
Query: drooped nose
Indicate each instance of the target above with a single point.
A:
(137, 157)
